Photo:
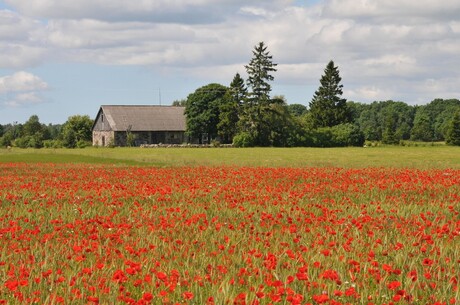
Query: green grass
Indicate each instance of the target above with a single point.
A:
(396, 156)
(59, 156)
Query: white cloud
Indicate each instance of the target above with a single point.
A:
(20, 55)
(377, 44)
(22, 88)
(413, 11)
(24, 99)
(166, 11)
(14, 27)
(368, 93)
(20, 41)
(255, 11)
(21, 81)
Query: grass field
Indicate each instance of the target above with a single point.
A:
(401, 157)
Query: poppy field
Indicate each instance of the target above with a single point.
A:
(102, 234)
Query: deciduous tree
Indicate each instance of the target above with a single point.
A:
(453, 131)
(77, 131)
(202, 111)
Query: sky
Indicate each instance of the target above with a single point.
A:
(60, 58)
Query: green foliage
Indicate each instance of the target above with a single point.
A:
(389, 136)
(111, 143)
(281, 124)
(238, 89)
(355, 110)
(23, 142)
(327, 108)
(299, 135)
(349, 134)
(53, 131)
(423, 128)
(179, 103)
(387, 121)
(7, 139)
(259, 69)
(130, 139)
(230, 109)
(35, 141)
(53, 144)
(32, 126)
(453, 130)
(29, 135)
(243, 139)
(83, 144)
(228, 119)
(268, 125)
(257, 107)
(297, 109)
(76, 129)
(203, 110)
(69, 138)
(434, 119)
(342, 135)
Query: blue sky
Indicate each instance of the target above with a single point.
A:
(66, 57)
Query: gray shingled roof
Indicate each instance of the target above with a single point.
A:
(145, 118)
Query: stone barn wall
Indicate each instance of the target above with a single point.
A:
(103, 138)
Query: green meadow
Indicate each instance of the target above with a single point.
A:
(423, 157)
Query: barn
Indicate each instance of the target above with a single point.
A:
(128, 125)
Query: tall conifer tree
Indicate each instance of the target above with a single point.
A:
(230, 109)
(327, 108)
(257, 105)
(259, 69)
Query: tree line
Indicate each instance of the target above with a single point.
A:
(244, 114)
(75, 132)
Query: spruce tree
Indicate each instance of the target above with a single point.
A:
(257, 105)
(230, 109)
(259, 69)
(327, 108)
(238, 89)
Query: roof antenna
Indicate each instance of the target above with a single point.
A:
(159, 94)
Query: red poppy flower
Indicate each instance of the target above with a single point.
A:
(320, 299)
(187, 295)
(393, 285)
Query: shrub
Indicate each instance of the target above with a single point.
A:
(23, 142)
(83, 144)
(6, 139)
(52, 144)
(130, 139)
(338, 136)
(243, 139)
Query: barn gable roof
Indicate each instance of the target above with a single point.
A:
(144, 117)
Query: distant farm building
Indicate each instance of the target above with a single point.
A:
(123, 125)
